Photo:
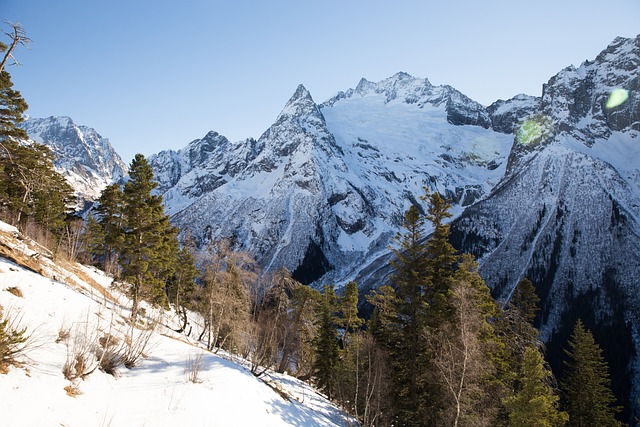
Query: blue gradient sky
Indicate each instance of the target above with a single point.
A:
(153, 75)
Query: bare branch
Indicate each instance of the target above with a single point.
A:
(18, 37)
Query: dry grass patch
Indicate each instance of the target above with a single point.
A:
(72, 390)
(14, 290)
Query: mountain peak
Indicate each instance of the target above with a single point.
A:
(89, 161)
(301, 104)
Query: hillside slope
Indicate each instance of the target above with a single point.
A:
(157, 391)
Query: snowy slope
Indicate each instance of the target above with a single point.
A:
(86, 159)
(155, 392)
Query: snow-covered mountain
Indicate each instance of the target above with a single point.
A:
(567, 213)
(87, 160)
(323, 190)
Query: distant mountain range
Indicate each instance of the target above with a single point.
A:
(546, 188)
(87, 160)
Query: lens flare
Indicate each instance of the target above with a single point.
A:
(617, 97)
(534, 130)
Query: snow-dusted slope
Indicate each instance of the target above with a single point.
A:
(567, 213)
(87, 160)
(156, 392)
(325, 187)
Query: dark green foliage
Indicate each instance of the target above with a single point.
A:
(326, 343)
(181, 285)
(149, 251)
(441, 258)
(535, 404)
(348, 307)
(586, 385)
(410, 280)
(516, 324)
(30, 188)
(12, 108)
(110, 217)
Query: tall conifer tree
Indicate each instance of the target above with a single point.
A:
(144, 255)
(586, 386)
(326, 343)
(535, 404)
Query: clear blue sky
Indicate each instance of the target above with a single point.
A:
(153, 75)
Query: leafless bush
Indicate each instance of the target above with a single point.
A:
(193, 368)
(81, 360)
(136, 343)
(109, 353)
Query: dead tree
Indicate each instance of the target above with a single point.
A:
(18, 36)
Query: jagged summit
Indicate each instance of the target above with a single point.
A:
(404, 88)
(88, 160)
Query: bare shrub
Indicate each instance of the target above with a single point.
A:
(193, 368)
(14, 290)
(14, 341)
(81, 360)
(63, 334)
(136, 342)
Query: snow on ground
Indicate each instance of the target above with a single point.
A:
(156, 392)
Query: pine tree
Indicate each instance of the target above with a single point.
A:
(110, 217)
(144, 257)
(586, 386)
(441, 258)
(326, 343)
(12, 108)
(348, 306)
(410, 279)
(535, 404)
(30, 188)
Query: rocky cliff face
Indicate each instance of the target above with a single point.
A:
(566, 214)
(87, 160)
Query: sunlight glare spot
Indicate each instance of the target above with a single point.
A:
(617, 97)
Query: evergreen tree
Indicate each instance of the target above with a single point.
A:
(348, 307)
(147, 235)
(298, 348)
(181, 285)
(411, 279)
(466, 353)
(326, 343)
(515, 324)
(110, 217)
(586, 386)
(441, 258)
(535, 404)
(12, 108)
